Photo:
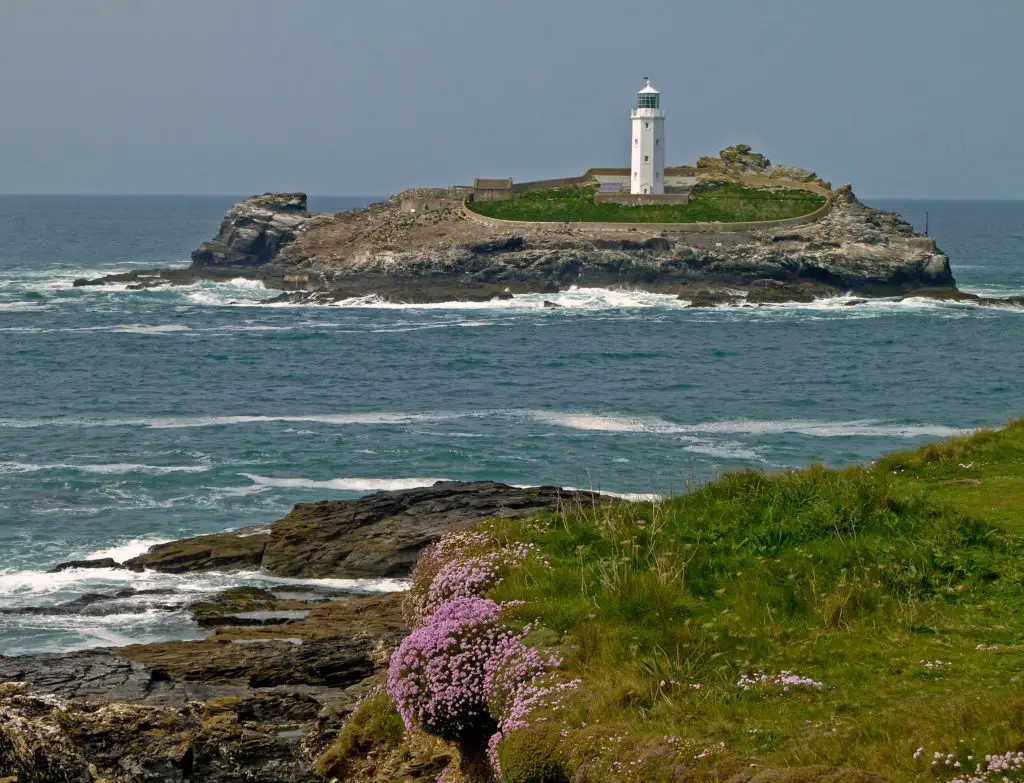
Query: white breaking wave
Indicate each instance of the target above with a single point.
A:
(126, 550)
(345, 484)
(238, 292)
(823, 429)
(216, 421)
(34, 588)
(584, 421)
(23, 307)
(112, 468)
(150, 329)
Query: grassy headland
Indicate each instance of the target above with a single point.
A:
(719, 202)
(811, 625)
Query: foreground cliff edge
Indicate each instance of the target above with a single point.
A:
(819, 625)
(420, 246)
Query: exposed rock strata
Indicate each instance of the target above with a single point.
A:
(377, 536)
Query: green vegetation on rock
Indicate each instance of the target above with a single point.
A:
(711, 202)
(893, 594)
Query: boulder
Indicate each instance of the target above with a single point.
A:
(103, 562)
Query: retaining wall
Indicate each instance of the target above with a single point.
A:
(653, 228)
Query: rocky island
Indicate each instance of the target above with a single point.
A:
(428, 245)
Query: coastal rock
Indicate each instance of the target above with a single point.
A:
(708, 297)
(104, 562)
(233, 551)
(254, 231)
(377, 536)
(776, 292)
(44, 739)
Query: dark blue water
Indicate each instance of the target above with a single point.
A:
(131, 417)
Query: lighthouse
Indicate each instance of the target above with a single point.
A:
(647, 174)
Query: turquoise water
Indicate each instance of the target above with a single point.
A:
(134, 417)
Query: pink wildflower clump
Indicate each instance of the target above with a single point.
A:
(784, 681)
(460, 565)
(964, 768)
(436, 676)
(518, 684)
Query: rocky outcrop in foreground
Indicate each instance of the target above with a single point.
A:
(268, 691)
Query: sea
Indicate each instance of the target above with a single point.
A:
(129, 418)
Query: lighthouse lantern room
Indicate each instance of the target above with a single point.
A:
(647, 174)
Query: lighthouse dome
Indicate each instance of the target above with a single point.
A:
(648, 97)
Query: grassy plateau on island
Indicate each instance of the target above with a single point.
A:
(710, 203)
(816, 624)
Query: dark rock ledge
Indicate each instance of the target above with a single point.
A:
(262, 697)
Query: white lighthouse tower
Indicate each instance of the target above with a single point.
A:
(647, 173)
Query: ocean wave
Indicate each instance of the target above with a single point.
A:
(150, 329)
(126, 550)
(174, 422)
(237, 292)
(582, 420)
(345, 484)
(38, 588)
(115, 468)
(23, 307)
(823, 429)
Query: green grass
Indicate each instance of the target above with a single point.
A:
(726, 203)
(851, 577)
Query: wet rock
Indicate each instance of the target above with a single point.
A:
(104, 562)
(234, 551)
(551, 305)
(777, 292)
(711, 298)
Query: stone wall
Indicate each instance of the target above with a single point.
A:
(652, 228)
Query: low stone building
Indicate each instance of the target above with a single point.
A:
(492, 189)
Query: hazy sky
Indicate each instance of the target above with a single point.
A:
(906, 98)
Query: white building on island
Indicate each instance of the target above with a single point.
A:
(647, 173)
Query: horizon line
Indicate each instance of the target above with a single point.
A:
(83, 194)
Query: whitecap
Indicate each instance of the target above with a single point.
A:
(23, 307)
(116, 468)
(344, 484)
(824, 429)
(150, 329)
(126, 550)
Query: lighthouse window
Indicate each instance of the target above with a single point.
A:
(647, 125)
(647, 100)
(636, 141)
(646, 158)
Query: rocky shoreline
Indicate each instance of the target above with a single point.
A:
(267, 691)
(386, 252)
